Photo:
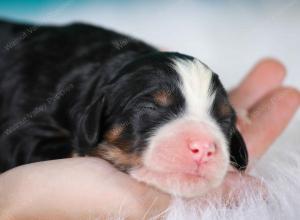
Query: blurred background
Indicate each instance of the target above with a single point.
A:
(229, 35)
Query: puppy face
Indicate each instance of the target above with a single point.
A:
(166, 120)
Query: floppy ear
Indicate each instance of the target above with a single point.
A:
(238, 151)
(89, 126)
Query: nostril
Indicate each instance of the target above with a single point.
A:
(195, 151)
(202, 151)
(195, 147)
(210, 151)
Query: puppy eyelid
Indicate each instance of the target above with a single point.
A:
(148, 105)
(225, 120)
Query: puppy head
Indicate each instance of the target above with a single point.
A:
(166, 120)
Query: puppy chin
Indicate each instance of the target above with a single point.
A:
(181, 184)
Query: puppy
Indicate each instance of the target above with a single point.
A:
(78, 90)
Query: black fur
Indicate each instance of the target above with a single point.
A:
(237, 146)
(62, 88)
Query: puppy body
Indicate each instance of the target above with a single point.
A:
(77, 60)
(84, 90)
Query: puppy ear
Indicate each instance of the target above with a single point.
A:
(238, 151)
(89, 126)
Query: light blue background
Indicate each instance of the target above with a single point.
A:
(230, 36)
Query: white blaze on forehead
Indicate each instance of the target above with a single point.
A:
(196, 82)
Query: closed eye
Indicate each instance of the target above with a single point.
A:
(148, 106)
(226, 121)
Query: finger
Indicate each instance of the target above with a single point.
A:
(266, 76)
(267, 119)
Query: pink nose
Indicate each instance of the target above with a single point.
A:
(202, 151)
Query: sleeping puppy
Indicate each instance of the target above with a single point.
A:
(78, 90)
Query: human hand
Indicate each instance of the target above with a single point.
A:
(76, 188)
(264, 108)
(88, 188)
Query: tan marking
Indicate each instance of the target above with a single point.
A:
(225, 109)
(163, 98)
(116, 156)
(74, 154)
(114, 134)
